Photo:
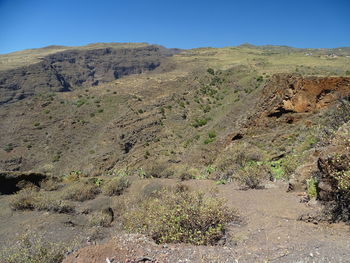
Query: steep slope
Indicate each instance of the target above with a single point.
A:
(67, 70)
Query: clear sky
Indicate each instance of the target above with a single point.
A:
(177, 23)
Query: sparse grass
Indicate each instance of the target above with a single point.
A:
(180, 216)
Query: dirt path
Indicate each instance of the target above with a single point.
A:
(271, 232)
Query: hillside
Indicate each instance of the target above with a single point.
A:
(264, 118)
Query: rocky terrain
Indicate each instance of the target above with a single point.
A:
(87, 133)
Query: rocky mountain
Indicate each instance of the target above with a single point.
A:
(107, 136)
(66, 70)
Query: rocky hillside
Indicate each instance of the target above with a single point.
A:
(69, 69)
(89, 133)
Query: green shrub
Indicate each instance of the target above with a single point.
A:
(8, 147)
(212, 134)
(80, 102)
(211, 71)
(180, 216)
(115, 186)
(208, 140)
(211, 137)
(200, 122)
(276, 168)
(312, 187)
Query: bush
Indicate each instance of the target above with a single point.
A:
(251, 176)
(335, 174)
(212, 134)
(115, 186)
(32, 249)
(81, 191)
(158, 170)
(180, 216)
(30, 199)
(8, 147)
(24, 199)
(312, 187)
(211, 71)
(187, 173)
(200, 122)
(101, 218)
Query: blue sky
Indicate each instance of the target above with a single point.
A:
(178, 23)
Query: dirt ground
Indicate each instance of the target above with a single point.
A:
(270, 232)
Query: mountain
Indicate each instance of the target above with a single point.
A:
(245, 117)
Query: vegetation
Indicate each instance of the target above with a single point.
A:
(8, 147)
(200, 122)
(312, 187)
(116, 185)
(32, 249)
(81, 191)
(30, 199)
(100, 219)
(176, 216)
(252, 175)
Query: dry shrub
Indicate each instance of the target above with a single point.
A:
(81, 191)
(335, 173)
(30, 248)
(180, 216)
(53, 204)
(102, 218)
(116, 186)
(24, 199)
(186, 173)
(252, 176)
(29, 199)
(158, 170)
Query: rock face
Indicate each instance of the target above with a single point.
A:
(64, 71)
(297, 94)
